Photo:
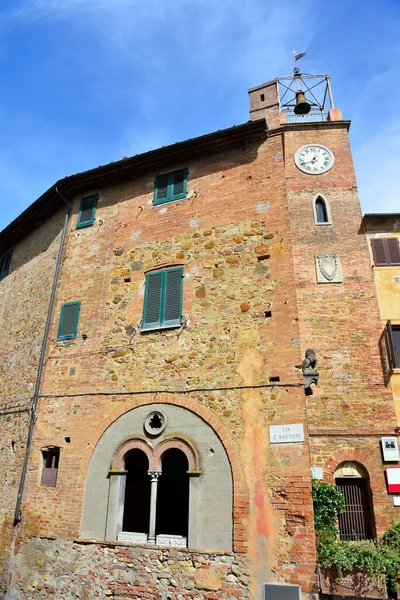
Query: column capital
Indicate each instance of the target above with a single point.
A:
(154, 475)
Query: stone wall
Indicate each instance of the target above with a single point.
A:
(232, 237)
(24, 300)
(55, 569)
(246, 240)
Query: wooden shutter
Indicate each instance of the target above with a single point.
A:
(69, 320)
(386, 251)
(152, 301)
(172, 298)
(379, 251)
(179, 183)
(87, 211)
(170, 186)
(390, 346)
(161, 191)
(5, 262)
(393, 251)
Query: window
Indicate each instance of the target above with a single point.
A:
(356, 521)
(392, 340)
(321, 211)
(69, 317)
(386, 251)
(87, 211)
(51, 458)
(171, 483)
(163, 299)
(5, 262)
(170, 186)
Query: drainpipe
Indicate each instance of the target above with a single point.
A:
(17, 514)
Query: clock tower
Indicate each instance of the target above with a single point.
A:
(337, 309)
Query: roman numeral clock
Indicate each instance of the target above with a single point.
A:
(314, 159)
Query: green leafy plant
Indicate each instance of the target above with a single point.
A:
(328, 502)
(367, 556)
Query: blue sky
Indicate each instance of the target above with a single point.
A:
(84, 82)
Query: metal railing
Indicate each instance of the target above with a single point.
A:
(310, 118)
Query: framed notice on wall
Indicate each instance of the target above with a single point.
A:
(393, 479)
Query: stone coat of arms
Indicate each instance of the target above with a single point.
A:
(328, 268)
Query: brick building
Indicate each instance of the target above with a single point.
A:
(171, 442)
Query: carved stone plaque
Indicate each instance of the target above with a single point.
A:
(328, 268)
(171, 540)
(131, 536)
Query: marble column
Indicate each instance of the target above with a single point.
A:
(154, 475)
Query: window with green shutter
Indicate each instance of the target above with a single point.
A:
(170, 186)
(5, 262)
(87, 211)
(163, 299)
(69, 318)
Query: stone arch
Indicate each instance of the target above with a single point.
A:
(347, 455)
(351, 475)
(240, 491)
(178, 444)
(118, 461)
(126, 432)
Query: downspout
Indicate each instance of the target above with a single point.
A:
(17, 514)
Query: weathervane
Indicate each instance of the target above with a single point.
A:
(297, 57)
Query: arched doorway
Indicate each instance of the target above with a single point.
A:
(172, 516)
(356, 522)
(137, 493)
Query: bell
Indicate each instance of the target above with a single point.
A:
(302, 106)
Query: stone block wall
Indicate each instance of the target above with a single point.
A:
(24, 300)
(232, 238)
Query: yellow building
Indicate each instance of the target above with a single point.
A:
(383, 234)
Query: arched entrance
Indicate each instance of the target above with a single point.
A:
(356, 522)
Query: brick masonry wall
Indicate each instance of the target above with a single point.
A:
(233, 239)
(350, 408)
(24, 299)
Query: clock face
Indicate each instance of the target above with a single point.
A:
(314, 159)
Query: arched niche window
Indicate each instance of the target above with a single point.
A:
(147, 485)
(157, 491)
(357, 520)
(321, 211)
(172, 516)
(137, 493)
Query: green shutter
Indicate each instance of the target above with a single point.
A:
(163, 299)
(179, 184)
(69, 317)
(170, 186)
(172, 298)
(161, 191)
(152, 301)
(5, 262)
(87, 211)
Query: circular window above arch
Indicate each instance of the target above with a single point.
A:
(155, 423)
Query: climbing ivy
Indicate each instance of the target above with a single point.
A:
(369, 556)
